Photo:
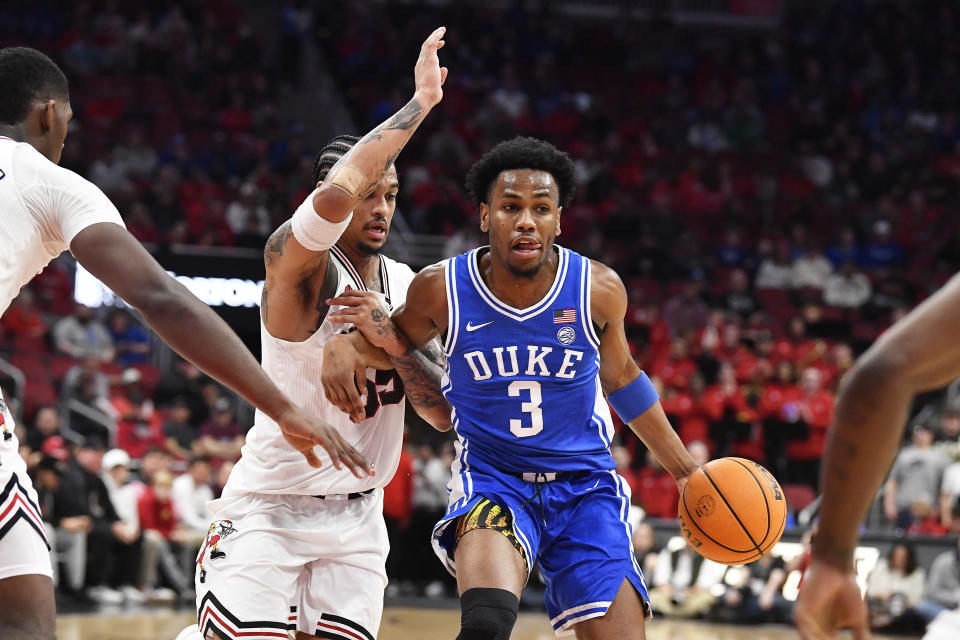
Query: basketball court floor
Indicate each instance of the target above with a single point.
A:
(398, 624)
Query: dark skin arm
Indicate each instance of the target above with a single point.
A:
(617, 369)
(917, 354)
(417, 356)
(193, 330)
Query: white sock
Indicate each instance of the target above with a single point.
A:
(190, 633)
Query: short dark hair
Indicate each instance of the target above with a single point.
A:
(521, 153)
(27, 76)
(194, 460)
(331, 154)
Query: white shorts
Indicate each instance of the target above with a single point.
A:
(23, 542)
(275, 564)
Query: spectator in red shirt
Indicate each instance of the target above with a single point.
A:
(23, 319)
(164, 538)
(683, 410)
(220, 437)
(815, 410)
(777, 409)
(141, 428)
(397, 508)
(675, 370)
(729, 414)
(656, 490)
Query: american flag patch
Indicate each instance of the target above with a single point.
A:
(563, 316)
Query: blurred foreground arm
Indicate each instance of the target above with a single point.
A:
(919, 353)
(193, 330)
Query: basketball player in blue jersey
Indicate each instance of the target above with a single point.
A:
(533, 335)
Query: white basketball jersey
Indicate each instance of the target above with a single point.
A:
(268, 463)
(42, 207)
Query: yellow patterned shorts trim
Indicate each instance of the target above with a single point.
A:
(489, 515)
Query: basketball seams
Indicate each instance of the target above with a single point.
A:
(734, 513)
(763, 493)
(705, 534)
(761, 545)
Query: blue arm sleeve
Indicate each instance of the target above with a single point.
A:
(634, 399)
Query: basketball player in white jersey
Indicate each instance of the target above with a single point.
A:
(295, 549)
(45, 210)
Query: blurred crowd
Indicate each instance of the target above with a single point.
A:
(903, 596)
(773, 199)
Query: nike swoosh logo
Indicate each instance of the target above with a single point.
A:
(474, 327)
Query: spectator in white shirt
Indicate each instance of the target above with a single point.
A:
(115, 474)
(850, 288)
(683, 582)
(191, 491)
(248, 207)
(776, 272)
(811, 269)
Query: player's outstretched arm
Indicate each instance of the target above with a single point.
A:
(618, 372)
(409, 340)
(917, 354)
(357, 173)
(110, 253)
(297, 250)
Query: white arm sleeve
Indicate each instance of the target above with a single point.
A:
(312, 230)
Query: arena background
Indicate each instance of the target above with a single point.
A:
(776, 182)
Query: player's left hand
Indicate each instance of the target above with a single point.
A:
(304, 432)
(370, 317)
(344, 377)
(830, 600)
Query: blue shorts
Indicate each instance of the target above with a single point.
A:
(577, 530)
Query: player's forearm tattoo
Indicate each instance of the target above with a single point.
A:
(377, 315)
(263, 303)
(402, 120)
(421, 371)
(276, 243)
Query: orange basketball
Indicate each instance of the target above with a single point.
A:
(732, 510)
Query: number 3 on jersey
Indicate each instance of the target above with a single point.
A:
(533, 408)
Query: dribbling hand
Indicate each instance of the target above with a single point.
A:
(304, 432)
(830, 600)
(428, 74)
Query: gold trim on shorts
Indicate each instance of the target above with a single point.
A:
(489, 515)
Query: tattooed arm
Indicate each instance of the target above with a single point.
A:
(422, 372)
(298, 281)
(917, 354)
(409, 340)
(359, 170)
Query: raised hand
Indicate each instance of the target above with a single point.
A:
(304, 432)
(428, 74)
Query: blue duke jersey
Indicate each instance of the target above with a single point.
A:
(524, 383)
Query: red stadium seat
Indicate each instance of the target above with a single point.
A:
(30, 345)
(59, 365)
(30, 365)
(39, 391)
(776, 302)
(798, 496)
